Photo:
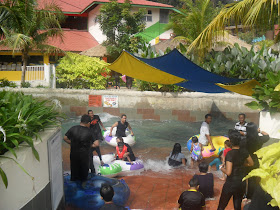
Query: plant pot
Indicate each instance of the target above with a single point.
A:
(270, 123)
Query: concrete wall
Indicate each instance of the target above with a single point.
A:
(270, 123)
(188, 106)
(22, 191)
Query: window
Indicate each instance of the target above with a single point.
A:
(148, 17)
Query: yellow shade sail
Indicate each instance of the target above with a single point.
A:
(128, 65)
(245, 88)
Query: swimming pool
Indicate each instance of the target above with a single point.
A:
(155, 139)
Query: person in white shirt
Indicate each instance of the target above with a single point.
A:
(205, 136)
(241, 125)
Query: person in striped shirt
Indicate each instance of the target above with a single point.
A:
(241, 125)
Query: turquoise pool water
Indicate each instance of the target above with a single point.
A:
(155, 140)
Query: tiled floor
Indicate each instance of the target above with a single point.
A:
(154, 190)
(161, 191)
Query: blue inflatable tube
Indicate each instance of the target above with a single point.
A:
(89, 197)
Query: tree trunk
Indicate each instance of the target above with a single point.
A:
(24, 59)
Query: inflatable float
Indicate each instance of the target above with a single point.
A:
(113, 168)
(89, 196)
(218, 142)
(112, 140)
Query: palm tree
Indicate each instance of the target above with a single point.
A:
(257, 14)
(25, 27)
(194, 17)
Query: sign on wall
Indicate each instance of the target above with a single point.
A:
(110, 101)
(94, 101)
(55, 169)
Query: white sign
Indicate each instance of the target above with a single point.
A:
(55, 169)
(110, 101)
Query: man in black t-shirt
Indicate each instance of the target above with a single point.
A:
(97, 137)
(79, 137)
(95, 125)
(192, 199)
(107, 194)
(121, 125)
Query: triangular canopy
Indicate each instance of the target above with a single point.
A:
(175, 68)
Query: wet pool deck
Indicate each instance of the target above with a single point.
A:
(156, 190)
(161, 191)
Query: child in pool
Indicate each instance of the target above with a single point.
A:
(122, 153)
(196, 151)
(206, 180)
(217, 161)
(131, 154)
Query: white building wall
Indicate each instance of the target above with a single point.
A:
(94, 27)
(155, 15)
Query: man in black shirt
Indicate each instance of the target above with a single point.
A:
(121, 125)
(192, 199)
(107, 194)
(79, 137)
(97, 137)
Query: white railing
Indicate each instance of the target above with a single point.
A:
(34, 73)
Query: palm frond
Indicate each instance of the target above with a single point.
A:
(246, 12)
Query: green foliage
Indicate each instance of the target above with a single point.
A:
(6, 83)
(247, 36)
(269, 171)
(25, 27)
(120, 26)
(80, 71)
(22, 118)
(198, 14)
(267, 43)
(25, 84)
(267, 95)
(239, 62)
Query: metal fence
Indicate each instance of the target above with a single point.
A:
(34, 73)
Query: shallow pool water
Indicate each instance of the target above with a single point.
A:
(155, 140)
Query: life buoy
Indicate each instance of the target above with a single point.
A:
(120, 155)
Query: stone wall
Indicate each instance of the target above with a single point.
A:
(188, 106)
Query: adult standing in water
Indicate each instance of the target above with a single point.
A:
(121, 125)
(241, 125)
(254, 143)
(95, 124)
(205, 136)
(235, 161)
(79, 137)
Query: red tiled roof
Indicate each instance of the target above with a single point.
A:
(73, 40)
(78, 6)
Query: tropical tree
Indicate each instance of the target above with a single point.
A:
(120, 26)
(194, 17)
(25, 27)
(252, 14)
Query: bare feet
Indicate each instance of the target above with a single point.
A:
(223, 179)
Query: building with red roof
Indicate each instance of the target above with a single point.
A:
(82, 30)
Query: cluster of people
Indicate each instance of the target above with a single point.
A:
(85, 138)
(117, 75)
(235, 161)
